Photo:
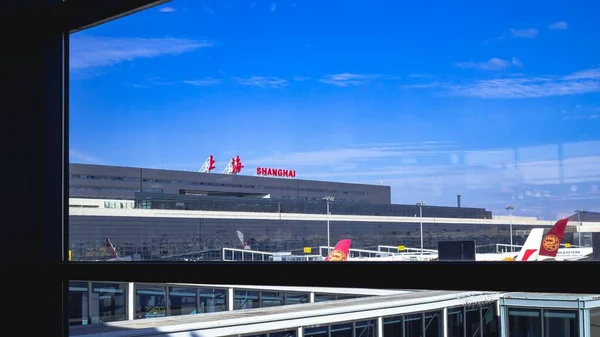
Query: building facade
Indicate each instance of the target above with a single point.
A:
(268, 205)
(116, 182)
(159, 234)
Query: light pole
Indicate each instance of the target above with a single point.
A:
(579, 210)
(328, 199)
(421, 204)
(510, 208)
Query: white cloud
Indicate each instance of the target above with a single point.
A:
(97, 51)
(492, 64)
(263, 82)
(511, 87)
(560, 25)
(346, 79)
(524, 33)
(342, 156)
(167, 10)
(203, 82)
(77, 156)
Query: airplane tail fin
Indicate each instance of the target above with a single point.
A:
(551, 242)
(341, 251)
(110, 249)
(531, 248)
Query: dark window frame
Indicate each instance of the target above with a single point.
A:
(39, 35)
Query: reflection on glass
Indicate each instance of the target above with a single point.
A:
(341, 330)
(366, 328)
(433, 326)
(393, 327)
(473, 322)
(524, 322)
(296, 298)
(183, 301)
(561, 323)
(325, 297)
(150, 301)
(271, 299)
(245, 299)
(213, 300)
(288, 333)
(489, 321)
(456, 322)
(107, 302)
(595, 322)
(320, 331)
(413, 325)
(78, 303)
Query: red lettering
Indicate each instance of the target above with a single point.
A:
(262, 171)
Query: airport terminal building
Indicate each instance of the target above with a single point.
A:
(116, 182)
(158, 214)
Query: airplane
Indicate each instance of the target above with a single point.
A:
(340, 252)
(532, 250)
(550, 248)
(529, 252)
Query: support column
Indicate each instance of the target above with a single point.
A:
(130, 301)
(379, 326)
(230, 299)
(445, 322)
(311, 296)
(503, 319)
(300, 332)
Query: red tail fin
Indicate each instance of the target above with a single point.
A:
(551, 242)
(340, 251)
(110, 249)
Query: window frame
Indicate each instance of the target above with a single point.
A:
(41, 92)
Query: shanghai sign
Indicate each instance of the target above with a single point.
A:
(271, 172)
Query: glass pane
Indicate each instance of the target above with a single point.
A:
(341, 330)
(271, 299)
(150, 301)
(289, 333)
(244, 299)
(524, 322)
(365, 328)
(108, 302)
(490, 321)
(296, 298)
(325, 297)
(433, 324)
(183, 301)
(456, 322)
(595, 322)
(413, 325)
(273, 120)
(561, 323)
(473, 322)
(213, 300)
(393, 327)
(78, 303)
(320, 331)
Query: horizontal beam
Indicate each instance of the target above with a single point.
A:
(85, 14)
(476, 276)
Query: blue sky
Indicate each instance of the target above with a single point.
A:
(500, 103)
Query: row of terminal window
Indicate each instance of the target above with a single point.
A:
(75, 176)
(100, 302)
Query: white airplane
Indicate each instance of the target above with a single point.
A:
(529, 252)
(536, 247)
